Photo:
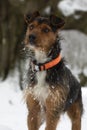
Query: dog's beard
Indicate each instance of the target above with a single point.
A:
(37, 54)
(30, 53)
(40, 56)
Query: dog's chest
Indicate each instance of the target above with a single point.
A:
(41, 89)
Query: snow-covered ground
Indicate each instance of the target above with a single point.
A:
(68, 7)
(13, 112)
(12, 108)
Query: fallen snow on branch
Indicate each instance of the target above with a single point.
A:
(69, 7)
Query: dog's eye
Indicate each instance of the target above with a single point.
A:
(46, 30)
(31, 27)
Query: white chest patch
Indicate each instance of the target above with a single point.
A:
(41, 89)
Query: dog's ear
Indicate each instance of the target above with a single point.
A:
(29, 17)
(56, 22)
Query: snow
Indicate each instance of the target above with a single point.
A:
(68, 7)
(4, 128)
(47, 10)
(85, 71)
(74, 49)
(12, 108)
(13, 111)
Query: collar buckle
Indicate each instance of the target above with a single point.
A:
(36, 68)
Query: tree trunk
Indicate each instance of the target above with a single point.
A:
(10, 30)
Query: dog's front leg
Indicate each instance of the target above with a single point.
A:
(52, 116)
(33, 115)
(51, 121)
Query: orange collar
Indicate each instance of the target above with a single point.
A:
(47, 65)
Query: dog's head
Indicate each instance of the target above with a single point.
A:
(41, 33)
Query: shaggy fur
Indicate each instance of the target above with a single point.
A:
(55, 90)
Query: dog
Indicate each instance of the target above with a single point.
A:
(52, 89)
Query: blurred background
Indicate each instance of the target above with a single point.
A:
(74, 35)
(13, 112)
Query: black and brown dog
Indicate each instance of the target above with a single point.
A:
(52, 89)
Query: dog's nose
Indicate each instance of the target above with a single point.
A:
(32, 38)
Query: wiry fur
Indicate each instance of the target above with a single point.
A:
(54, 90)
